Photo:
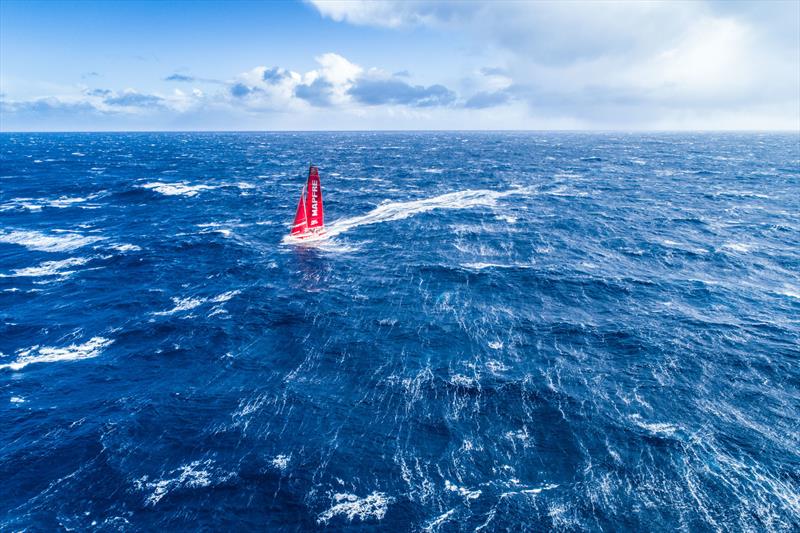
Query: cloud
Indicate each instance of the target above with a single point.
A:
(610, 64)
(134, 99)
(98, 92)
(179, 77)
(281, 89)
(240, 90)
(186, 78)
(275, 75)
(392, 14)
(396, 92)
(47, 106)
(494, 71)
(316, 93)
(485, 99)
(593, 65)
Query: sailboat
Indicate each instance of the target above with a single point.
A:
(309, 220)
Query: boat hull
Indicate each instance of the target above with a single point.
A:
(307, 237)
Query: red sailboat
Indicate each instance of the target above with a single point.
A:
(309, 220)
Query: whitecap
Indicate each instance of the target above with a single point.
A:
(520, 435)
(351, 506)
(281, 462)
(46, 354)
(463, 381)
(482, 266)
(182, 304)
(17, 399)
(49, 268)
(656, 428)
(125, 247)
(189, 303)
(791, 292)
(737, 247)
(438, 521)
(496, 366)
(177, 189)
(193, 475)
(468, 494)
(42, 242)
(36, 204)
(538, 490)
(225, 296)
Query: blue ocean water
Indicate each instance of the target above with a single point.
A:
(505, 332)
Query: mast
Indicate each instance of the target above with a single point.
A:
(315, 211)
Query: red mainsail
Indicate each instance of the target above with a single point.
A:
(309, 221)
(300, 225)
(314, 209)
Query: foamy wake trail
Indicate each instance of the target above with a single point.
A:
(391, 211)
(45, 354)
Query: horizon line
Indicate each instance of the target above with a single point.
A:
(625, 131)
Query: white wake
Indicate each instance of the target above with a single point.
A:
(391, 211)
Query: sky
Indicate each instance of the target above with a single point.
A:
(399, 65)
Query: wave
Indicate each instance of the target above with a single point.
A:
(738, 247)
(42, 242)
(45, 354)
(466, 493)
(193, 475)
(49, 268)
(177, 189)
(351, 506)
(126, 248)
(482, 266)
(37, 204)
(187, 304)
(182, 304)
(281, 461)
(657, 429)
(182, 188)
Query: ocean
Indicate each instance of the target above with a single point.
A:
(504, 332)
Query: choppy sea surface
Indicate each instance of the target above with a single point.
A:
(504, 332)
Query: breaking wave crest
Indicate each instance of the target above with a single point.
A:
(351, 506)
(49, 268)
(42, 242)
(46, 354)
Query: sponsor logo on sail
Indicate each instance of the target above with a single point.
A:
(314, 195)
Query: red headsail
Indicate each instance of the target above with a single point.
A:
(314, 210)
(300, 223)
